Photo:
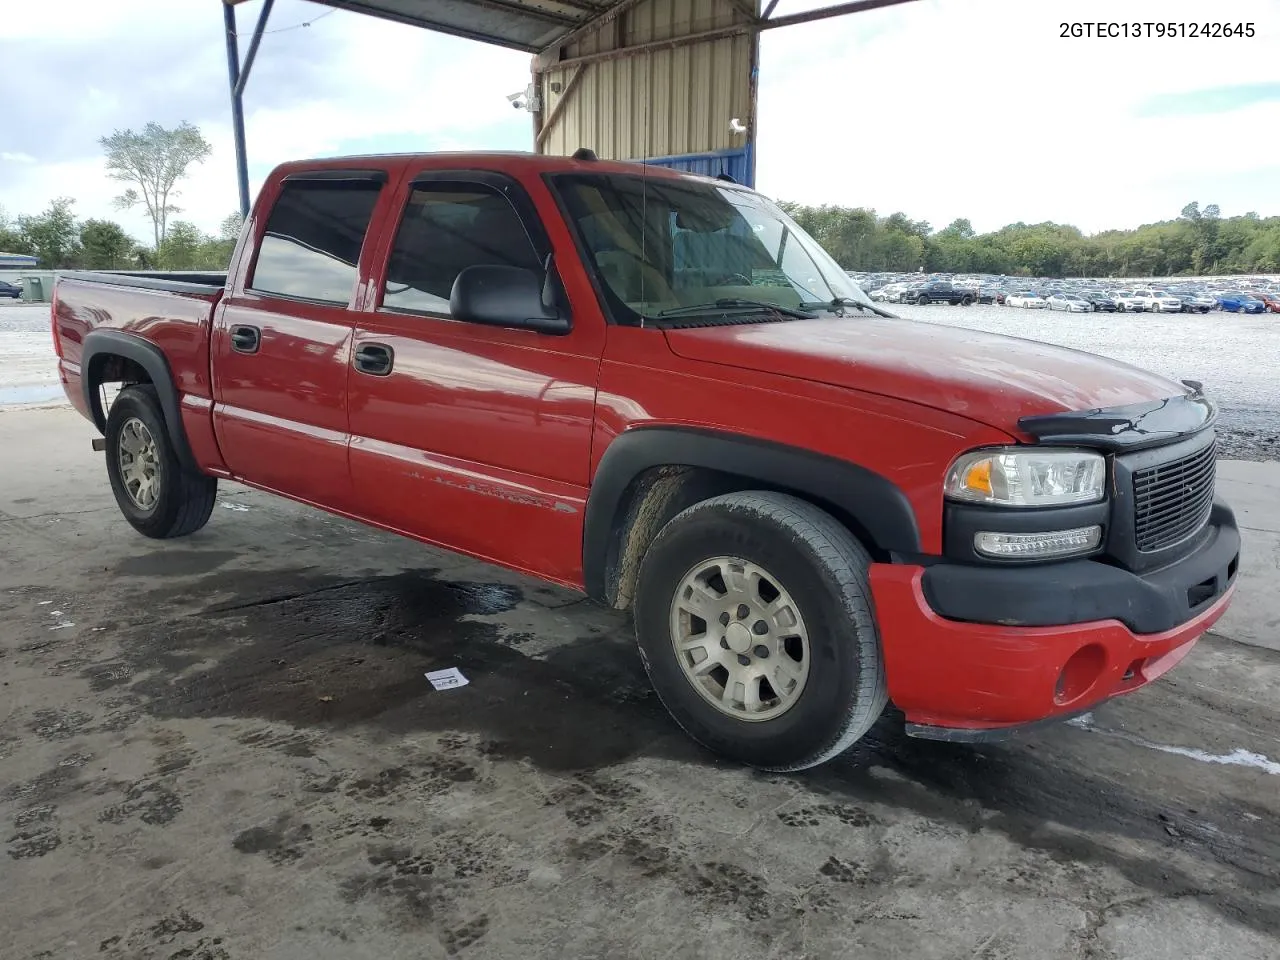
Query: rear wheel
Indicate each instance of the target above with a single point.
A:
(966, 301)
(753, 618)
(157, 495)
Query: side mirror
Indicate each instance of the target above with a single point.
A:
(500, 296)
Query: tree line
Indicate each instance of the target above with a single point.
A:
(1197, 242)
(152, 162)
(60, 241)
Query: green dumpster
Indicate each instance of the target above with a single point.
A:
(33, 289)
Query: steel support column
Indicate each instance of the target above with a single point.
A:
(237, 79)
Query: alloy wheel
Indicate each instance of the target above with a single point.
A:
(139, 460)
(740, 638)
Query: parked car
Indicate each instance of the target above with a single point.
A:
(1027, 300)
(1240, 303)
(941, 291)
(10, 290)
(806, 516)
(1101, 302)
(889, 293)
(1128, 301)
(1069, 302)
(1270, 302)
(1197, 303)
(1158, 301)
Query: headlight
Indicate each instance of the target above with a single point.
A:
(1017, 477)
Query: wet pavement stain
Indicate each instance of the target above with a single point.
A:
(152, 803)
(280, 843)
(334, 656)
(1005, 789)
(173, 563)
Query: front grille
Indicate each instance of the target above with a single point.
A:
(1172, 501)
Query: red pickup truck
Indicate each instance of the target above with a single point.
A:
(655, 388)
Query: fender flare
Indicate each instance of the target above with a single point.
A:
(879, 506)
(101, 343)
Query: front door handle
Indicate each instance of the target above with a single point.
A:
(245, 339)
(374, 358)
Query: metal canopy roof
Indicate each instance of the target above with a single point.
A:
(542, 27)
(536, 25)
(529, 25)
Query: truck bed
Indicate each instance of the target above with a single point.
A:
(179, 281)
(172, 312)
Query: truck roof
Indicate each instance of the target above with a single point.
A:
(509, 161)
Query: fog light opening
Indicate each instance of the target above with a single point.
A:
(1038, 545)
(1080, 673)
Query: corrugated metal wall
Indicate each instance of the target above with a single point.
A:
(661, 103)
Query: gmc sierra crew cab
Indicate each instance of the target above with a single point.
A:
(942, 291)
(655, 388)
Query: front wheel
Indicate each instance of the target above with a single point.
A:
(157, 495)
(754, 621)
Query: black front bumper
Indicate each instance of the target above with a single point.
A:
(1078, 591)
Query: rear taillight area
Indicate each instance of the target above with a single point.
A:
(53, 324)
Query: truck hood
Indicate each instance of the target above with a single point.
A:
(986, 377)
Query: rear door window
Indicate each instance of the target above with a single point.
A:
(447, 227)
(311, 247)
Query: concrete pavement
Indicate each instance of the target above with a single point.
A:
(224, 748)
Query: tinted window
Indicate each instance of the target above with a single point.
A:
(446, 228)
(657, 243)
(313, 239)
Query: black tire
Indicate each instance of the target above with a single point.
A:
(966, 301)
(184, 499)
(826, 575)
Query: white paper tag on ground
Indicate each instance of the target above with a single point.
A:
(447, 679)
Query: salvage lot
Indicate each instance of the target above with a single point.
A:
(225, 747)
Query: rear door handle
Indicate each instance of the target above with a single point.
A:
(245, 339)
(374, 358)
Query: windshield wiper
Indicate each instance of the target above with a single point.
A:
(736, 303)
(850, 302)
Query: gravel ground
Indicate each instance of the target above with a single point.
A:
(1234, 356)
(27, 367)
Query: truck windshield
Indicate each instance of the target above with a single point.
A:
(658, 245)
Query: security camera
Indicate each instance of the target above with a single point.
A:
(526, 99)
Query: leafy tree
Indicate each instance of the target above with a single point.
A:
(960, 228)
(105, 245)
(11, 238)
(182, 247)
(215, 253)
(53, 236)
(155, 160)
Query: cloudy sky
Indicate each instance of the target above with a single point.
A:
(939, 108)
